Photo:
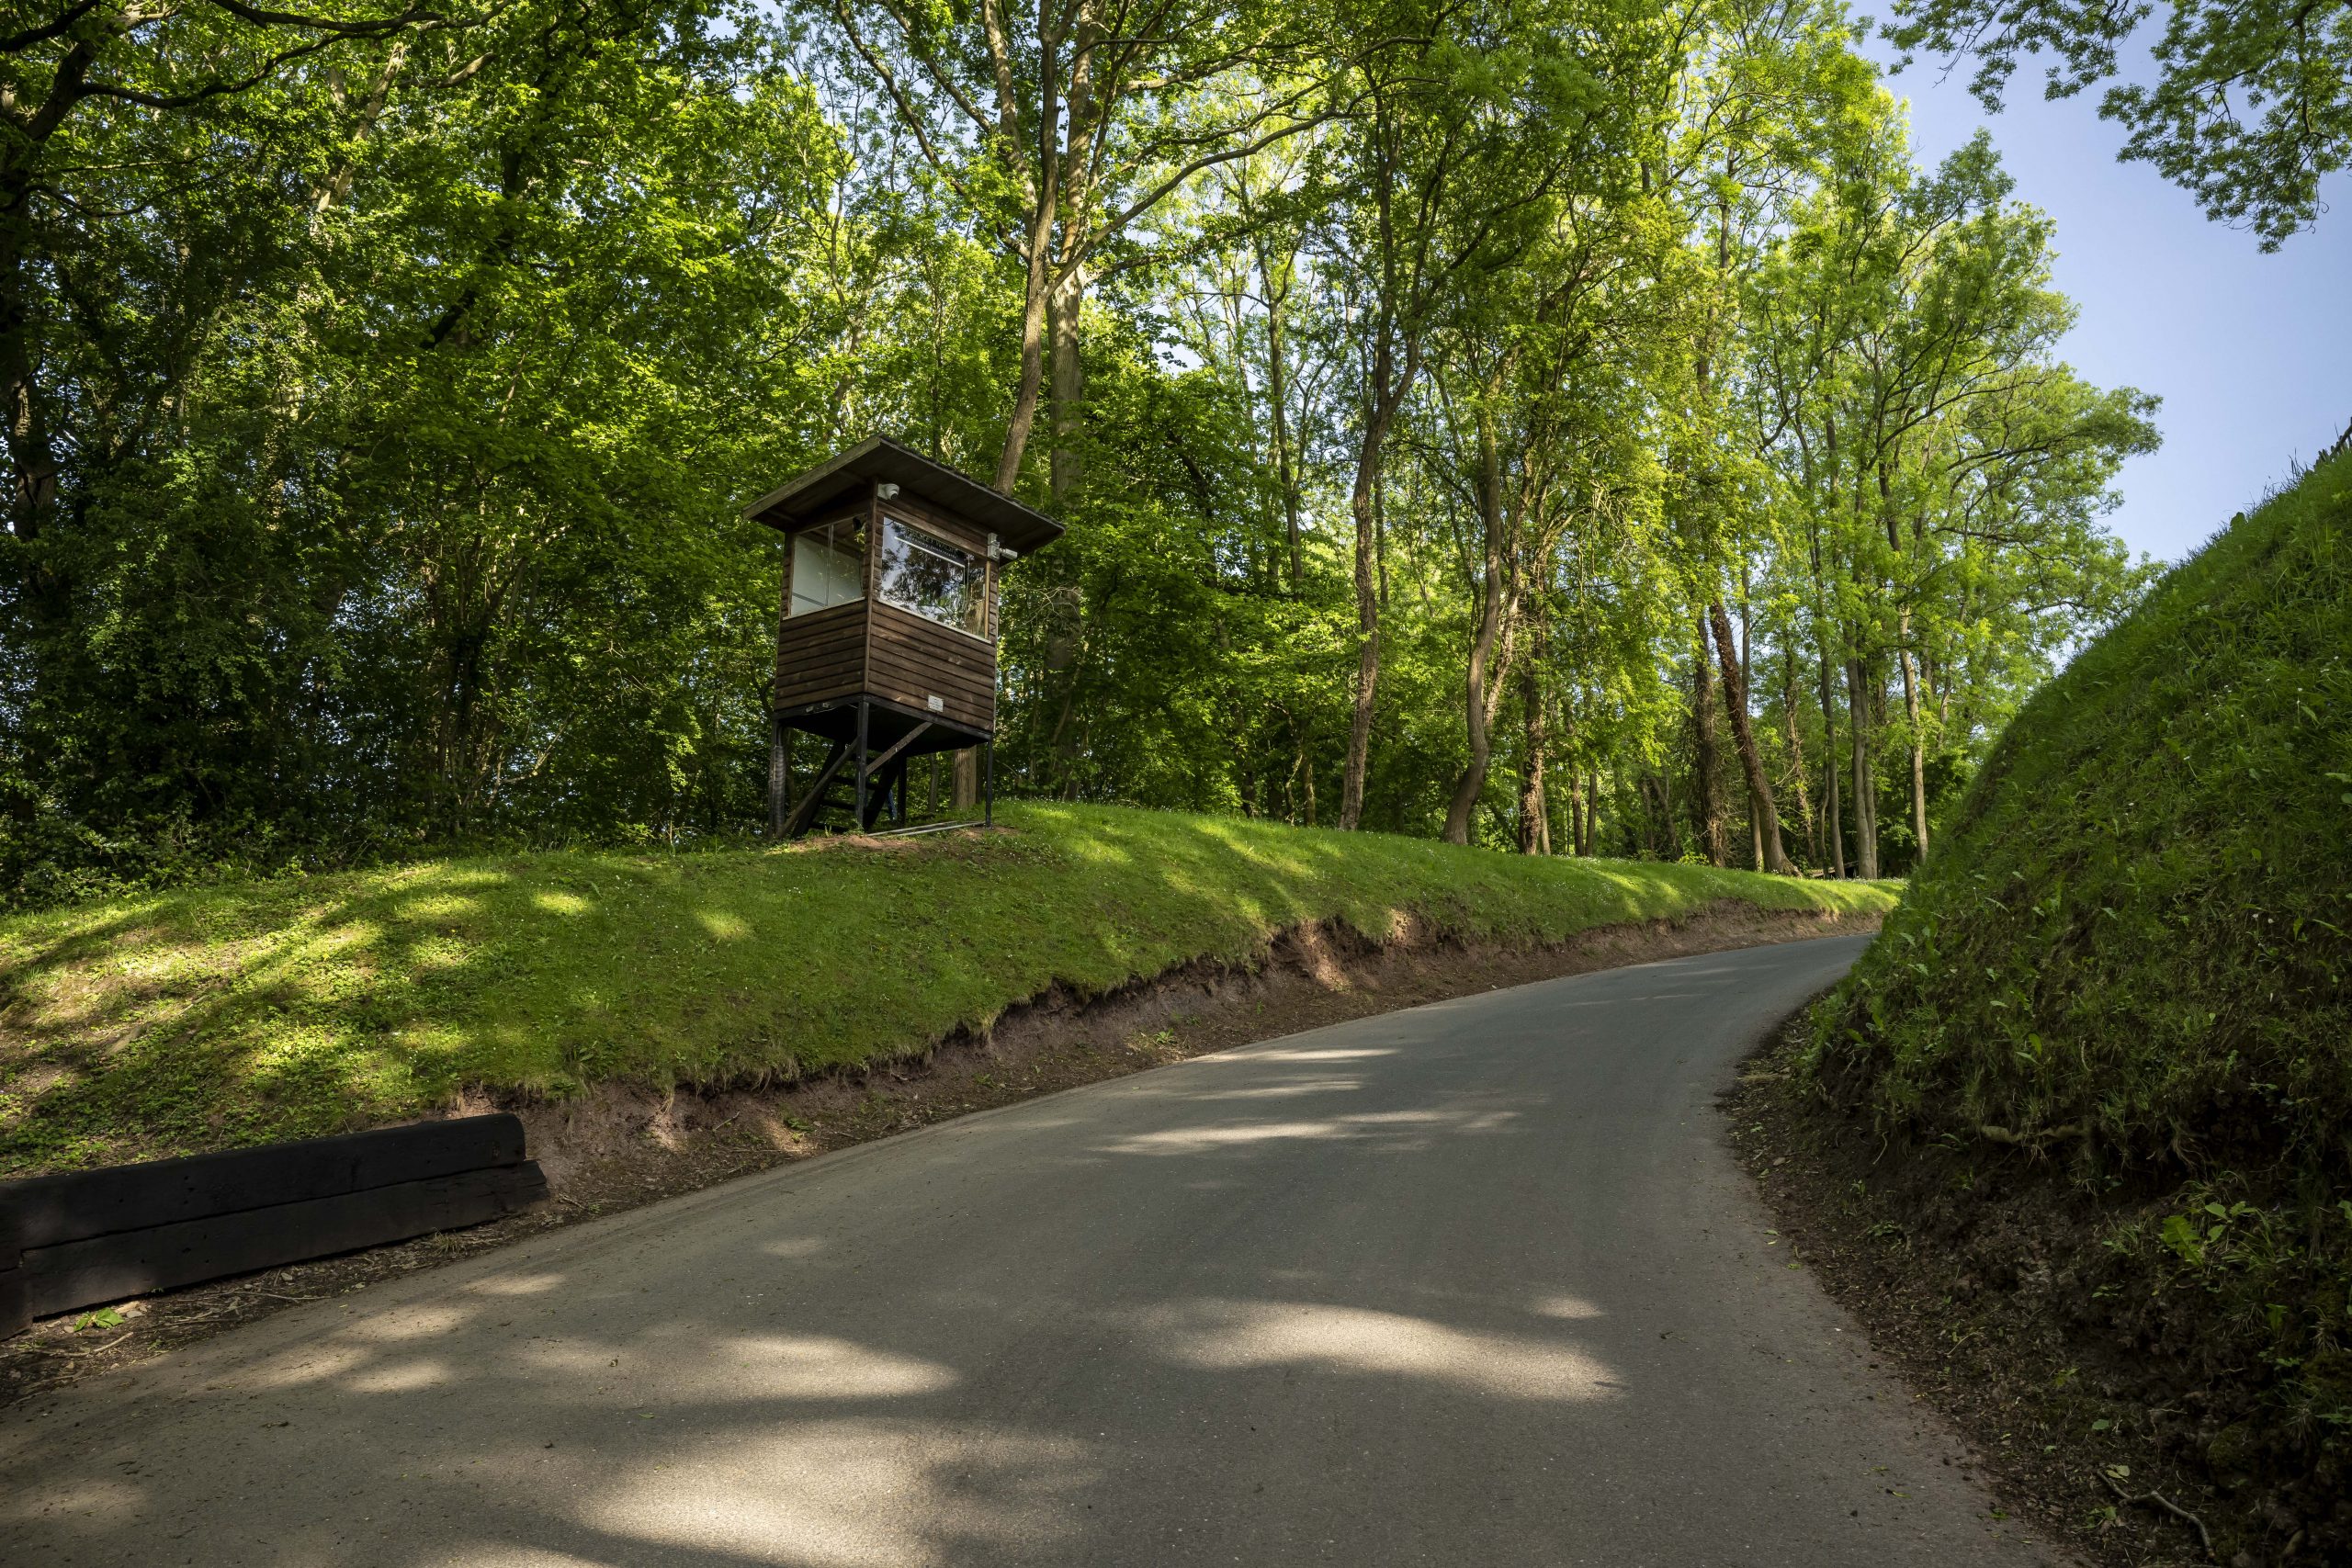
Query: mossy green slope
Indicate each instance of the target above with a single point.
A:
(217, 1017)
(2113, 1014)
(2136, 942)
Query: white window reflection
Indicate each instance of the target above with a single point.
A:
(827, 565)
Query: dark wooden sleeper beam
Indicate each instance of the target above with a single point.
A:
(80, 1238)
(132, 1263)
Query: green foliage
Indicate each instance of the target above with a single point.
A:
(2133, 951)
(385, 384)
(2251, 107)
(302, 1004)
(2140, 926)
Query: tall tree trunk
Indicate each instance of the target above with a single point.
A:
(1865, 798)
(1796, 750)
(779, 776)
(1493, 606)
(1758, 808)
(1833, 821)
(1387, 394)
(1367, 634)
(1065, 310)
(1535, 815)
(1707, 802)
(1278, 397)
(1661, 833)
(1919, 741)
(1766, 813)
(1025, 396)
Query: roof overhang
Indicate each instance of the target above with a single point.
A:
(880, 460)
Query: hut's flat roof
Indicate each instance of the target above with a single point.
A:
(881, 459)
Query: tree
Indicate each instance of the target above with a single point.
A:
(2252, 106)
(1059, 129)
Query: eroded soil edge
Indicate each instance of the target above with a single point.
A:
(623, 1145)
(1989, 1288)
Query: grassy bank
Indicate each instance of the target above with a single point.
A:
(2114, 1012)
(220, 1016)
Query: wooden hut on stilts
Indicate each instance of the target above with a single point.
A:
(886, 643)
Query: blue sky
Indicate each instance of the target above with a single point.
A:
(2252, 354)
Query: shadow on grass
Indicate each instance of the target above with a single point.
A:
(282, 1009)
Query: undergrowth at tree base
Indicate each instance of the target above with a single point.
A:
(2097, 1342)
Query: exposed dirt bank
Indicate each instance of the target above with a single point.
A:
(2092, 1410)
(620, 1147)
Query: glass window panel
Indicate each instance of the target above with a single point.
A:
(828, 564)
(933, 578)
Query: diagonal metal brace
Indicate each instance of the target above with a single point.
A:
(803, 815)
(900, 744)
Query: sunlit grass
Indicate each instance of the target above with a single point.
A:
(227, 1015)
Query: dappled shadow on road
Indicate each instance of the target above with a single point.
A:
(831, 1366)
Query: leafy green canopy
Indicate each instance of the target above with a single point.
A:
(382, 384)
(2135, 945)
(2252, 104)
(277, 1008)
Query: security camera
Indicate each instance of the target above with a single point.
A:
(887, 492)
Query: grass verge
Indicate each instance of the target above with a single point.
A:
(205, 1018)
(2107, 1038)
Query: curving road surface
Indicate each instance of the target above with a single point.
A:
(1475, 1283)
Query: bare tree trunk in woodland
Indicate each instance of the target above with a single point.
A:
(1918, 745)
(965, 780)
(1032, 356)
(1833, 818)
(1481, 693)
(1371, 571)
(1367, 651)
(779, 776)
(1770, 856)
(1658, 834)
(1758, 807)
(1796, 751)
(1534, 819)
(1865, 804)
(1065, 308)
(1591, 819)
(1278, 397)
(1707, 802)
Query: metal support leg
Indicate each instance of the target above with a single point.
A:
(863, 711)
(987, 807)
(890, 785)
(779, 775)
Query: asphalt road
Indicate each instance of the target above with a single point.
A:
(1476, 1283)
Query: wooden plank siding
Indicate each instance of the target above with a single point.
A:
(879, 650)
(820, 654)
(910, 660)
